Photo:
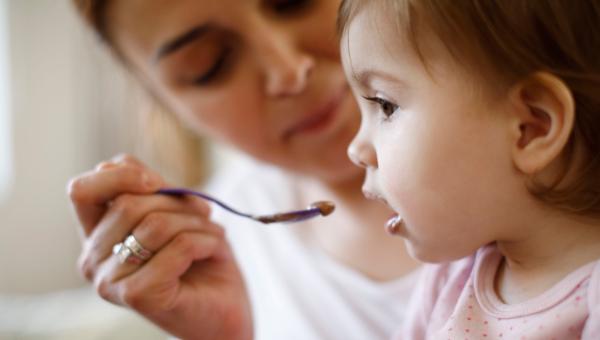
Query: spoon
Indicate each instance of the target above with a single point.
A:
(321, 208)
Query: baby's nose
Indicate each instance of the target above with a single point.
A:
(362, 152)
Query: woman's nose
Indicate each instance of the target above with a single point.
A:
(286, 67)
(361, 151)
(288, 75)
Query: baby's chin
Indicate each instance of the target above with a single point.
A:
(438, 253)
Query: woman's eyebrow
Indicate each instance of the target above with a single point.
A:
(181, 40)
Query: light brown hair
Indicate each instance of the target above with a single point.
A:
(180, 154)
(508, 41)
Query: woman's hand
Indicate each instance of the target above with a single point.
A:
(191, 286)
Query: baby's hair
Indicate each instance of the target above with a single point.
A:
(506, 41)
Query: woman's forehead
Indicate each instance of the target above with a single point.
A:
(148, 23)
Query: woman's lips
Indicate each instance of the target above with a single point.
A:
(319, 119)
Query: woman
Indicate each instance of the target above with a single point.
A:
(265, 78)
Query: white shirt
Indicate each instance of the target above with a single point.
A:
(299, 292)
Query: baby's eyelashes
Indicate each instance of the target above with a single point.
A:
(387, 107)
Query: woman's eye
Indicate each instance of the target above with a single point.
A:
(214, 71)
(388, 108)
(289, 6)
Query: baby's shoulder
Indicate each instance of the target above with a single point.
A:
(594, 287)
(592, 326)
(435, 294)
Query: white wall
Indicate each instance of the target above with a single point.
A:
(70, 108)
(64, 104)
(5, 149)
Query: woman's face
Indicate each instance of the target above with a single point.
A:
(261, 75)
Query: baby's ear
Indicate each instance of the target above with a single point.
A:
(542, 118)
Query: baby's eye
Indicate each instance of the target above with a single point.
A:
(388, 108)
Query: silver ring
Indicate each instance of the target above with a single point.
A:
(124, 254)
(136, 248)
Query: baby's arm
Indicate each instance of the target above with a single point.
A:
(591, 331)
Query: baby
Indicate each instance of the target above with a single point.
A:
(481, 129)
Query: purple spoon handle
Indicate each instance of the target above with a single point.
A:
(315, 209)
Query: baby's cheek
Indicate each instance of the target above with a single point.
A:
(427, 213)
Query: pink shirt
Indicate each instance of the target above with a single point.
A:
(458, 301)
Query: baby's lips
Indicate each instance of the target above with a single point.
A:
(393, 225)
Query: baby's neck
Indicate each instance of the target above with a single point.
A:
(545, 255)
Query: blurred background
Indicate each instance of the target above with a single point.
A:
(64, 106)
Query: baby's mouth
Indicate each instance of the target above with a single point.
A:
(394, 225)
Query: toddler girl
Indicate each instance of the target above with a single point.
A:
(481, 130)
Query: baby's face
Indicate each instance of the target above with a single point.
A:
(435, 147)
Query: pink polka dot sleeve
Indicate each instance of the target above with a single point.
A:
(591, 331)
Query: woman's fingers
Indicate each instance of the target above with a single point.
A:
(158, 229)
(127, 159)
(91, 192)
(161, 276)
(120, 160)
(155, 283)
(189, 255)
(157, 217)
